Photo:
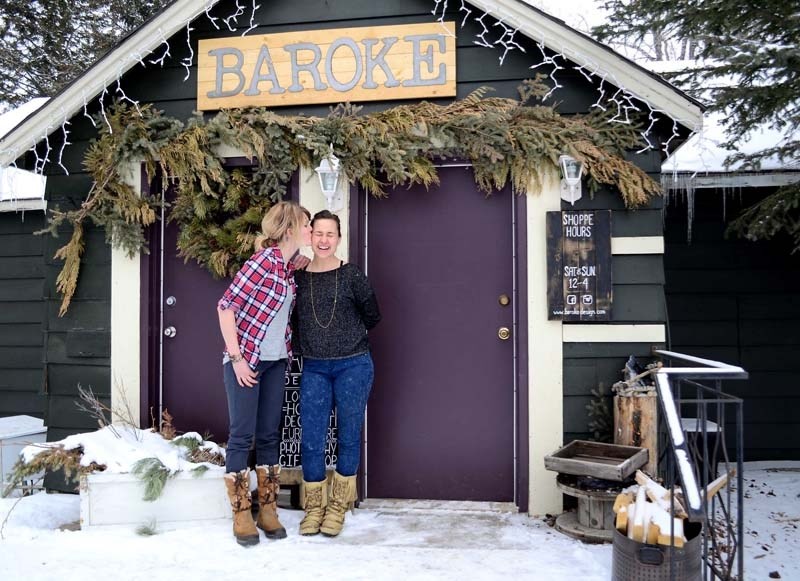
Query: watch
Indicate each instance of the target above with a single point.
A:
(235, 358)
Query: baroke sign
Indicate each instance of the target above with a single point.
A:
(375, 63)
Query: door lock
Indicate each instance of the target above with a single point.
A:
(503, 333)
(170, 332)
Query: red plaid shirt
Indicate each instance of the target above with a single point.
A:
(256, 294)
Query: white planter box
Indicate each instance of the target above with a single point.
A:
(16, 432)
(116, 499)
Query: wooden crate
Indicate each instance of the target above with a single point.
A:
(596, 459)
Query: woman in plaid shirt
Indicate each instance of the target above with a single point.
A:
(254, 320)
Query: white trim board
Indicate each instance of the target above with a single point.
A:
(600, 333)
(533, 23)
(125, 321)
(683, 182)
(23, 205)
(637, 245)
(545, 356)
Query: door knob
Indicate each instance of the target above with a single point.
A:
(171, 301)
(503, 333)
(170, 332)
(504, 300)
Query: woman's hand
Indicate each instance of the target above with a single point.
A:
(300, 261)
(244, 375)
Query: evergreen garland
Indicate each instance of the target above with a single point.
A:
(219, 211)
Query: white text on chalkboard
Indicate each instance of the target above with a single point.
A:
(577, 225)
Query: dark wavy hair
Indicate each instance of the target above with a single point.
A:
(327, 215)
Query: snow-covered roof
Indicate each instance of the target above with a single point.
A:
(21, 189)
(527, 20)
(12, 118)
(700, 161)
(703, 151)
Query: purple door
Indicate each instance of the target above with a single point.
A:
(440, 420)
(192, 388)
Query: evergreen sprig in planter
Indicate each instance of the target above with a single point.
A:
(135, 477)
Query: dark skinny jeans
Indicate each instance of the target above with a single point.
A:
(255, 412)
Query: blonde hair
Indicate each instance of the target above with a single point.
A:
(277, 222)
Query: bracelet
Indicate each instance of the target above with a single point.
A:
(236, 358)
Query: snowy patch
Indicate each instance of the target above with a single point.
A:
(375, 544)
(118, 448)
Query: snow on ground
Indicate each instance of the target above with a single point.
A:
(376, 544)
(772, 520)
(379, 542)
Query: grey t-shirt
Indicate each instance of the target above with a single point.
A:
(273, 345)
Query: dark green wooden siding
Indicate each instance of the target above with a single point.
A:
(638, 287)
(739, 302)
(22, 314)
(594, 367)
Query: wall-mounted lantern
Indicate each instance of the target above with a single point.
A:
(571, 172)
(329, 172)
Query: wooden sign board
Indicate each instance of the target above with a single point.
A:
(579, 265)
(291, 430)
(373, 63)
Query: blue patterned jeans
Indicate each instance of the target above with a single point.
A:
(325, 382)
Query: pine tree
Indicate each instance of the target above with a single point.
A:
(749, 55)
(45, 44)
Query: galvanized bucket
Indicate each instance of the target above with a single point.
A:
(635, 561)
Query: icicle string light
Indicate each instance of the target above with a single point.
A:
(211, 19)
(481, 36)
(187, 61)
(103, 108)
(86, 113)
(65, 141)
(234, 17)
(160, 61)
(125, 96)
(499, 36)
(466, 11)
(548, 60)
(252, 18)
(507, 41)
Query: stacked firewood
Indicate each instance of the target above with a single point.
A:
(649, 513)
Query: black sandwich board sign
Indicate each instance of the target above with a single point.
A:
(291, 428)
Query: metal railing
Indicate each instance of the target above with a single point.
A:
(700, 441)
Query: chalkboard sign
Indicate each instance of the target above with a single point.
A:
(579, 265)
(291, 429)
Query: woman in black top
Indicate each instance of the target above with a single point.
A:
(335, 307)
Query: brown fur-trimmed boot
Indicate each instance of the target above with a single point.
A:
(238, 486)
(268, 487)
(341, 498)
(314, 499)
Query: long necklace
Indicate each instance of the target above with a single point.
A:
(335, 297)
